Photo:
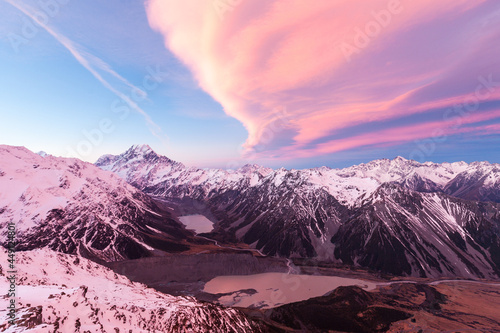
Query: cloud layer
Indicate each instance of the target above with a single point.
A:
(348, 76)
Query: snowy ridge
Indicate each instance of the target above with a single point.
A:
(74, 207)
(66, 293)
(142, 167)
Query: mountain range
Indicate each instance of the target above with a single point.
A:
(393, 216)
(396, 217)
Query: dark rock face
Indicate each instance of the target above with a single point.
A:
(401, 232)
(282, 225)
(419, 184)
(79, 230)
(346, 309)
(478, 185)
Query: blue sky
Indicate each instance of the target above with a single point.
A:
(48, 99)
(96, 77)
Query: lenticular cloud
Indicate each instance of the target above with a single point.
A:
(321, 68)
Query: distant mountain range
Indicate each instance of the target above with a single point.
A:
(394, 216)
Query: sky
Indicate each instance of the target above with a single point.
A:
(223, 83)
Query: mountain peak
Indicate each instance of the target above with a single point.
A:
(400, 159)
(141, 149)
(251, 168)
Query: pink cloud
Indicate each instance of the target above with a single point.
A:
(332, 64)
(455, 124)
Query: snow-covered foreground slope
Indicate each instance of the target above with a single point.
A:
(397, 216)
(66, 293)
(74, 207)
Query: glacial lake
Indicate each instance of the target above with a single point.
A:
(198, 223)
(274, 289)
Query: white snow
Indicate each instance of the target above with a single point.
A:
(349, 185)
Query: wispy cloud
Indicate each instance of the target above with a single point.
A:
(334, 64)
(96, 66)
(443, 129)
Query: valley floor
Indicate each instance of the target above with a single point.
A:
(275, 292)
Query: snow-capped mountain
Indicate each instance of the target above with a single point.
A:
(354, 215)
(66, 293)
(145, 169)
(74, 207)
(405, 232)
(481, 181)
